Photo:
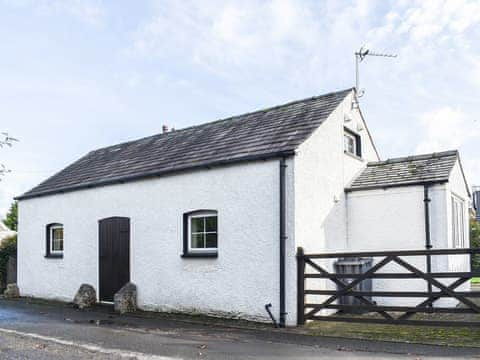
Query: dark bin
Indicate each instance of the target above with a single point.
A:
(12, 270)
(354, 266)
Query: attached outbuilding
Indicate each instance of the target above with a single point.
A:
(411, 202)
(208, 218)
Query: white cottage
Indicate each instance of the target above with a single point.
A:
(208, 218)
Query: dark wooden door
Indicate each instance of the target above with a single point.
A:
(114, 255)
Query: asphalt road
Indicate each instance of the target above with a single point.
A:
(46, 331)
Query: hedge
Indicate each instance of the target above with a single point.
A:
(8, 248)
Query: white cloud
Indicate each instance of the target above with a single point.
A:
(422, 30)
(445, 128)
(134, 80)
(471, 166)
(448, 128)
(88, 11)
(473, 69)
(432, 18)
(283, 40)
(295, 41)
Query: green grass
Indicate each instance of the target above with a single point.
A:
(451, 336)
(475, 280)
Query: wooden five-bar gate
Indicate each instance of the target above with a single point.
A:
(314, 266)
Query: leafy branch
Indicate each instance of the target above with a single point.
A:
(5, 140)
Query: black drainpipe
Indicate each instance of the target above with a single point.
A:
(428, 243)
(283, 238)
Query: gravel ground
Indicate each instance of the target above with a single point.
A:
(14, 347)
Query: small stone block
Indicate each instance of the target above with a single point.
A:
(125, 300)
(11, 291)
(86, 296)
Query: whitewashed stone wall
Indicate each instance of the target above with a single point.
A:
(322, 171)
(243, 278)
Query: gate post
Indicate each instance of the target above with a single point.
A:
(300, 286)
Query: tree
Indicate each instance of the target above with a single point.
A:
(11, 218)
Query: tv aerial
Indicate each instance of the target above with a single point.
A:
(360, 55)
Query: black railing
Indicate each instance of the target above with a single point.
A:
(348, 286)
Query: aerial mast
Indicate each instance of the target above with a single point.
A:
(360, 55)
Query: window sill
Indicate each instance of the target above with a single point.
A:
(353, 155)
(200, 255)
(54, 256)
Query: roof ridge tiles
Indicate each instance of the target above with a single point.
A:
(434, 155)
(230, 118)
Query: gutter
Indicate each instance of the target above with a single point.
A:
(283, 239)
(389, 186)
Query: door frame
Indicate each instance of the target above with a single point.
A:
(98, 252)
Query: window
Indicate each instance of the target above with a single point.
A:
(56, 243)
(54, 240)
(200, 233)
(458, 223)
(349, 143)
(352, 143)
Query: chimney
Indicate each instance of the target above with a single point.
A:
(164, 129)
(476, 201)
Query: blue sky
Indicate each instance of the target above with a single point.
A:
(77, 75)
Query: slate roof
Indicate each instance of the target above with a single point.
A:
(262, 134)
(419, 169)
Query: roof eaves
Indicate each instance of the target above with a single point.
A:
(463, 175)
(142, 176)
(388, 186)
(366, 126)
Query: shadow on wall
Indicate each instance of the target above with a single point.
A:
(335, 234)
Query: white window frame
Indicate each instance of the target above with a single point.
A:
(458, 222)
(52, 228)
(348, 136)
(201, 215)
